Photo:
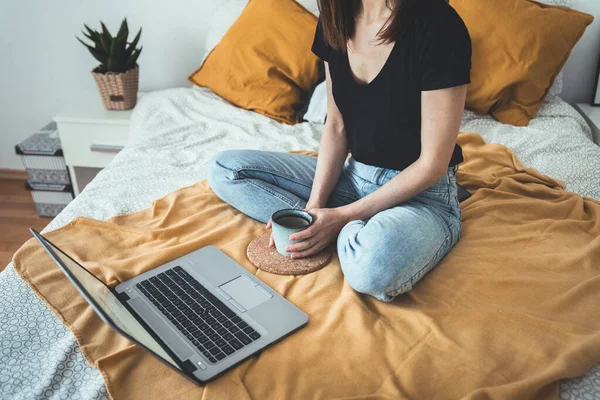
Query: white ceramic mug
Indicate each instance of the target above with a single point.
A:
(286, 222)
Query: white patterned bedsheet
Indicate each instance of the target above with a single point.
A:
(173, 135)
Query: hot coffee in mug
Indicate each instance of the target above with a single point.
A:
(286, 222)
(293, 222)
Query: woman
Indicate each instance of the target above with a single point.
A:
(396, 73)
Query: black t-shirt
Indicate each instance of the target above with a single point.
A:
(382, 119)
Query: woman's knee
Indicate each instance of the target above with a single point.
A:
(365, 262)
(222, 167)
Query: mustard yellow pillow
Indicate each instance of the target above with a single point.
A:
(519, 47)
(264, 62)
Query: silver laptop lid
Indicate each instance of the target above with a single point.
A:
(104, 302)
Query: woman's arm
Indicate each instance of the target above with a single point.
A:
(333, 151)
(441, 115)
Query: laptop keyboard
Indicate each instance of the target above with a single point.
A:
(206, 321)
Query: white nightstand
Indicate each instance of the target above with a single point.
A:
(90, 136)
(592, 116)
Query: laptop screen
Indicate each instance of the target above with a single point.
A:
(110, 305)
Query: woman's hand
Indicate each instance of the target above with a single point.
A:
(309, 206)
(326, 226)
(271, 240)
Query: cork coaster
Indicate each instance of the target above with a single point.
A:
(268, 259)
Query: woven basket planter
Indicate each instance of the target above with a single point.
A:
(118, 90)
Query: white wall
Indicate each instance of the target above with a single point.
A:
(43, 67)
(580, 70)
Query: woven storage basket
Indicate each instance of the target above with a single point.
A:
(118, 90)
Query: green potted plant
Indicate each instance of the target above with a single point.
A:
(117, 76)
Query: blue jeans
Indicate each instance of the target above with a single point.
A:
(382, 256)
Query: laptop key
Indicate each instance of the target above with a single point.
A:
(199, 287)
(226, 310)
(179, 281)
(179, 316)
(228, 349)
(195, 318)
(183, 272)
(254, 335)
(203, 339)
(242, 325)
(186, 299)
(221, 343)
(220, 305)
(205, 304)
(234, 329)
(212, 359)
(202, 326)
(220, 356)
(248, 330)
(228, 336)
(208, 331)
(208, 345)
(236, 344)
(214, 337)
(221, 318)
(243, 338)
(210, 310)
(214, 351)
(222, 331)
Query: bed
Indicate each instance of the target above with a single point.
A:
(174, 133)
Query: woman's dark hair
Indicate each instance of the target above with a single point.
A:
(338, 18)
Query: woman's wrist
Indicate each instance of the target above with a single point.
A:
(315, 202)
(356, 210)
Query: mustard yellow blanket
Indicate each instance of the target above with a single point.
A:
(511, 310)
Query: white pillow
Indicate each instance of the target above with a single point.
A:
(226, 15)
(220, 22)
(556, 87)
(310, 5)
(317, 106)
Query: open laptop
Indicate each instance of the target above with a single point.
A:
(200, 314)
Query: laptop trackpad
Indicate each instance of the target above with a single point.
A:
(244, 292)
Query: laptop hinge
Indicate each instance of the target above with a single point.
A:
(124, 297)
